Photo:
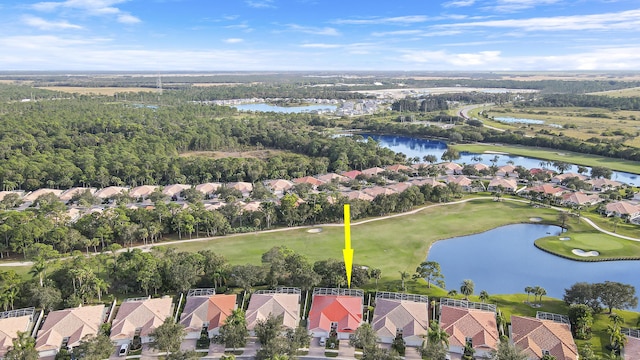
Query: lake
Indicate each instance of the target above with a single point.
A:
(505, 261)
(286, 109)
(512, 120)
(413, 147)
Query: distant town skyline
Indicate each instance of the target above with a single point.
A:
(303, 35)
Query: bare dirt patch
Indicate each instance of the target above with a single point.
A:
(98, 90)
(256, 154)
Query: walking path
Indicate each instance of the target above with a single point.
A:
(411, 212)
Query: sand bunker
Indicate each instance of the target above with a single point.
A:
(535, 219)
(314, 230)
(565, 238)
(581, 252)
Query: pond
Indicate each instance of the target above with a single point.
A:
(286, 109)
(505, 261)
(512, 120)
(413, 147)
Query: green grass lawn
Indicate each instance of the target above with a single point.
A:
(393, 245)
(555, 155)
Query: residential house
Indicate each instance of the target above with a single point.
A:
(426, 181)
(378, 190)
(332, 177)
(12, 322)
(110, 191)
(505, 185)
(472, 323)
(546, 190)
(335, 310)
(464, 182)
(139, 317)
(398, 168)
(602, 184)
(580, 198)
(244, 187)
(279, 186)
(507, 171)
(65, 328)
(631, 350)
(284, 302)
(208, 188)
(401, 315)
(204, 310)
(173, 191)
(67, 195)
(142, 192)
(357, 195)
(309, 180)
(538, 337)
(562, 177)
(451, 168)
(20, 194)
(34, 195)
(351, 174)
(372, 171)
(623, 209)
(480, 167)
(399, 187)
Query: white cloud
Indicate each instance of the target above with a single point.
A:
(398, 33)
(624, 20)
(518, 5)
(328, 31)
(459, 3)
(260, 4)
(321, 46)
(43, 24)
(233, 40)
(398, 20)
(89, 7)
(463, 60)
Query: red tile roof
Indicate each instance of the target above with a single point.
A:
(352, 174)
(479, 325)
(344, 310)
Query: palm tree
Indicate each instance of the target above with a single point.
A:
(484, 296)
(529, 291)
(539, 291)
(501, 321)
(403, 276)
(508, 351)
(466, 288)
(452, 293)
(436, 334)
(38, 269)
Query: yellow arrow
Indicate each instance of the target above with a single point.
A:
(347, 251)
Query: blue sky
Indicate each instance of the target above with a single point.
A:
(226, 35)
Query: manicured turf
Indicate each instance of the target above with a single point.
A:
(555, 155)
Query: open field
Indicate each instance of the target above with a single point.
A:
(580, 123)
(631, 92)
(554, 155)
(257, 154)
(98, 90)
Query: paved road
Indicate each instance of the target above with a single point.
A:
(165, 243)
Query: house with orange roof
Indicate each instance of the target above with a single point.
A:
(467, 323)
(65, 328)
(142, 191)
(67, 195)
(401, 315)
(398, 168)
(110, 191)
(580, 198)
(244, 187)
(139, 317)
(604, 184)
(460, 180)
(12, 322)
(450, 168)
(426, 181)
(206, 310)
(34, 195)
(352, 174)
(399, 187)
(173, 191)
(335, 310)
(208, 188)
(372, 171)
(480, 167)
(282, 302)
(538, 337)
(561, 177)
(507, 171)
(250, 206)
(545, 190)
(507, 185)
